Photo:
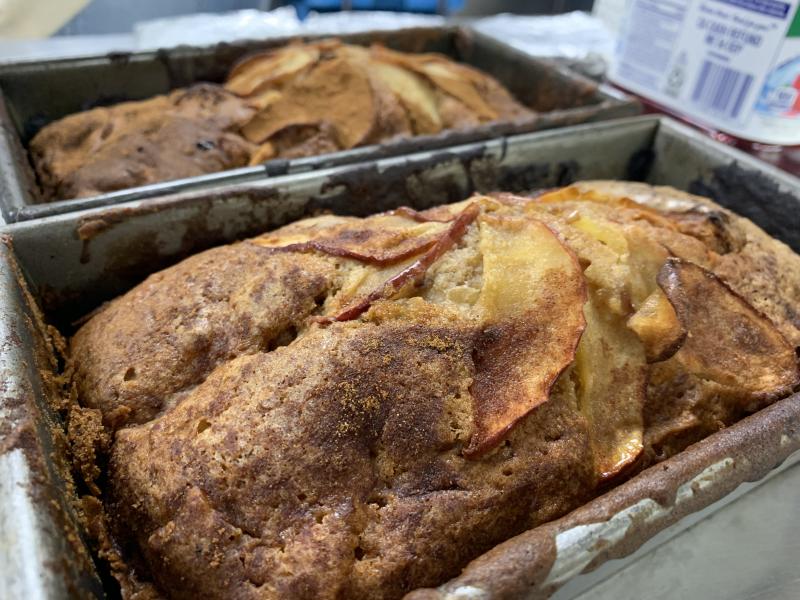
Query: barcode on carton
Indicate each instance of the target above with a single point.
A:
(721, 89)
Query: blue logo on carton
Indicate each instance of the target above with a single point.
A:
(772, 8)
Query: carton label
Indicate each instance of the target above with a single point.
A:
(733, 65)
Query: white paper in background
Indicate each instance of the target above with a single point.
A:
(610, 12)
(208, 28)
(576, 36)
(203, 29)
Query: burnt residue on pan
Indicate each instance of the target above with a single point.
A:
(488, 176)
(640, 164)
(371, 188)
(755, 196)
(473, 170)
(33, 402)
(535, 563)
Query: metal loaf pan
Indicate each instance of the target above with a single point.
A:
(71, 263)
(34, 94)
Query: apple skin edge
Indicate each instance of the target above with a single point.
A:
(728, 341)
(370, 259)
(528, 337)
(658, 327)
(414, 273)
(415, 215)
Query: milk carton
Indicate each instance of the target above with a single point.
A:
(730, 65)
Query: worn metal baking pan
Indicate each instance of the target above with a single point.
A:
(34, 94)
(73, 262)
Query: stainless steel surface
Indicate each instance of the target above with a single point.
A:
(748, 550)
(72, 46)
(42, 555)
(676, 555)
(75, 261)
(37, 93)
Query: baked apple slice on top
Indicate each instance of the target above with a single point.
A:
(654, 321)
(413, 273)
(658, 327)
(415, 94)
(531, 314)
(266, 70)
(611, 364)
(728, 340)
(382, 240)
(612, 374)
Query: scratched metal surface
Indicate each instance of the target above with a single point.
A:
(748, 550)
(43, 555)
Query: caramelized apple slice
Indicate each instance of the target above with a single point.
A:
(410, 213)
(412, 275)
(531, 307)
(255, 73)
(414, 93)
(263, 153)
(455, 81)
(603, 194)
(610, 365)
(380, 259)
(264, 99)
(564, 194)
(334, 91)
(728, 340)
(646, 257)
(380, 240)
(606, 232)
(658, 327)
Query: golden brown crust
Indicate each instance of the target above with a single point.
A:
(369, 480)
(212, 307)
(263, 452)
(186, 133)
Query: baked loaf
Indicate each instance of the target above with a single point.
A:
(354, 408)
(300, 100)
(190, 132)
(327, 96)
